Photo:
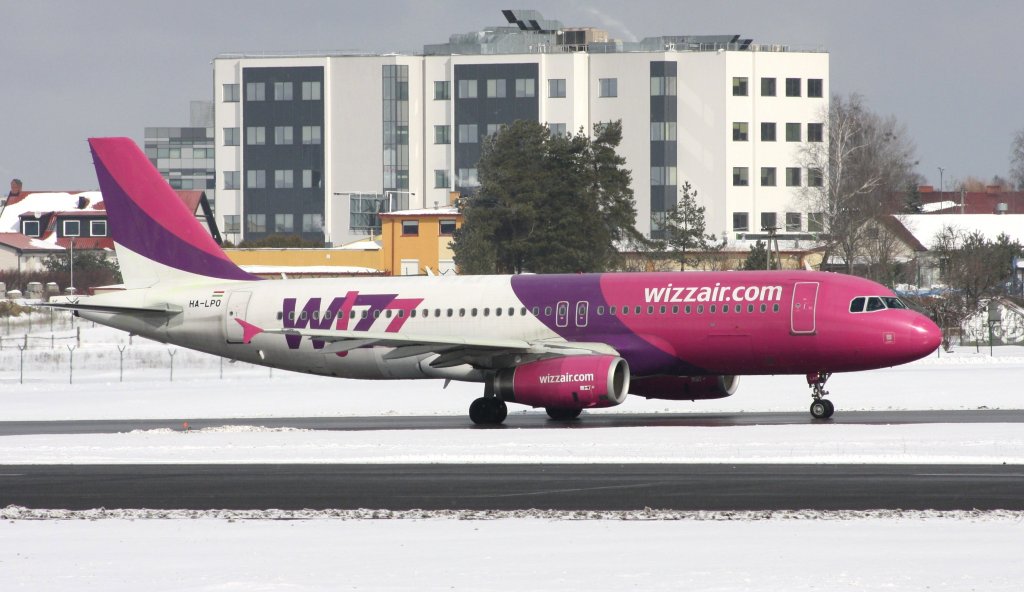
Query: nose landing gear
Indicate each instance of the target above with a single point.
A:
(821, 408)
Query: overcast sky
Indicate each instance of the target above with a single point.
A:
(951, 71)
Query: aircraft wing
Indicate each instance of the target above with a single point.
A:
(451, 350)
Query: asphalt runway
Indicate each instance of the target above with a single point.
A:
(518, 421)
(515, 487)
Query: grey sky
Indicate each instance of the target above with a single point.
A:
(69, 70)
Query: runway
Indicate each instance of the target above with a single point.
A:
(518, 421)
(515, 487)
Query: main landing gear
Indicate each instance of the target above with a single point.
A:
(821, 408)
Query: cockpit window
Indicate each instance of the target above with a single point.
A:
(875, 303)
(893, 302)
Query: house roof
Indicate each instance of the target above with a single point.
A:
(925, 227)
(893, 225)
(27, 244)
(975, 202)
(447, 211)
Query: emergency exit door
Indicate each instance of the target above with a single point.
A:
(805, 304)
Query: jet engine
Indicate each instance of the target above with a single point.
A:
(568, 382)
(679, 388)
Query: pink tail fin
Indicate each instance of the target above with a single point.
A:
(156, 237)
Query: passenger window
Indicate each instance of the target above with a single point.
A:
(512, 311)
(462, 312)
(600, 311)
(857, 304)
(662, 310)
(750, 308)
(675, 309)
(365, 313)
(280, 315)
(639, 309)
(775, 308)
(291, 315)
(700, 309)
(611, 311)
(686, 309)
(625, 311)
(352, 314)
(376, 314)
(764, 308)
(497, 312)
(536, 311)
(487, 312)
(875, 303)
(547, 311)
(650, 310)
(450, 312)
(472, 312)
(387, 314)
(712, 309)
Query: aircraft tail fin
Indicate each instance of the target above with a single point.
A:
(156, 237)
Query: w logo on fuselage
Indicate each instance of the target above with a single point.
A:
(362, 309)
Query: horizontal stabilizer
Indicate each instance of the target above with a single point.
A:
(156, 309)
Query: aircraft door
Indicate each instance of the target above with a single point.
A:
(238, 302)
(582, 307)
(805, 303)
(562, 314)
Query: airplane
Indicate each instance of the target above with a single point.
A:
(564, 343)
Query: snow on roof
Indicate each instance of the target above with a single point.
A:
(939, 205)
(443, 211)
(27, 243)
(367, 244)
(308, 269)
(925, 227)
(43, 202)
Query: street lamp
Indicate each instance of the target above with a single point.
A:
(71, 265)
(941, 170)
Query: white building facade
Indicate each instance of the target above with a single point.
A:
(318, 144)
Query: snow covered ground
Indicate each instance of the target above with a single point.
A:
(118, 550)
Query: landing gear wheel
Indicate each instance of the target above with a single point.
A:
(488, 410)
(562, 413)
(822, 409)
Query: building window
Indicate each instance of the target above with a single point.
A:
(556, 88)
(232, 224)
(468, 133)
(663, 86)
(284, 222)
(312, 222)
(256, 179)
(815, 88)
(311, 179)
(608, 87)
(467, 178)
(792, 132)
(739, 86)
(72, 228)
(768, 220)
(231, 136)
(768, 131)
(496, 88)
(767, 87)
(441, 180)
(446, 227)
(467, 89)
(739, 131)
(231, 180)
(526, 88)
(792, 176)
(815, 132)
(557, 129)
(255, 222)
(283, 135)
(663, 131)
(30, 227)
(494, 128)
(230, 93)
(256, 135)
(768, 176)
(442, 90)
(793, 222)
(442, 134)
(740, 176)
(311, 134)
(311, 90)
(663, 175)
(255, 91)
(815, 222)
(815, 178)
(410, 227)
(282, 91)
(792, 87)
(284, 179)
(740, 221)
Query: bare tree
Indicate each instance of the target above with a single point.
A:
(1017, 160)
(856, 175)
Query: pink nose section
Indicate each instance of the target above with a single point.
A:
(927, 334)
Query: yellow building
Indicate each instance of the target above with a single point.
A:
(412, 242)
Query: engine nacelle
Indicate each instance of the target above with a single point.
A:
(680, 388)
(568, 382)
